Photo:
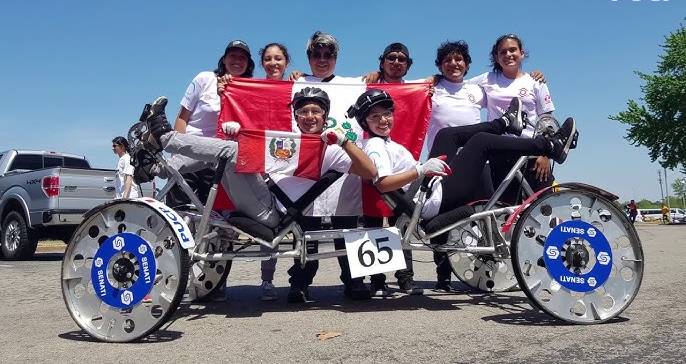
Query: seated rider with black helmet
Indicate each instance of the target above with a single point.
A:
(397, 168)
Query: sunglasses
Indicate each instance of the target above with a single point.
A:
(324, 55)
(388, 114)
(317, 112)
(392, 58)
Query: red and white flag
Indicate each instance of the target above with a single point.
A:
(268, 151)
(265, 105)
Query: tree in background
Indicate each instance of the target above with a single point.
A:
(679, 188)
(660, 124)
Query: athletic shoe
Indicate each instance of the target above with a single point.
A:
(410, 287)
(297, 295)
(444, 286)
(357, 290)
(513, 118)
(268, 292)
(563, 140)
(380, 289)
(157, 122)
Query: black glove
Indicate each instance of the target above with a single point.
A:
(157, 119)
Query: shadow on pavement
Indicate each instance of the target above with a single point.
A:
(160, 336)
(244, 301)
(48, 257)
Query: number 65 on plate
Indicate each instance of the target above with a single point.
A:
(374, 251)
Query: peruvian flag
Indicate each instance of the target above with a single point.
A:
(268, 151)
(265, 105)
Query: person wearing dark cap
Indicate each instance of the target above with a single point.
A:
(198, 115)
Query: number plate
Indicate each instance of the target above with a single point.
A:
(374, 251)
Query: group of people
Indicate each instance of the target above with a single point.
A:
(507, 92)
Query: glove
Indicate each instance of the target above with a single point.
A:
(334, 136)
(231, 128)
(434, 167)
(157, 118)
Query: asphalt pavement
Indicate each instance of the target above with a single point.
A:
(466, 326)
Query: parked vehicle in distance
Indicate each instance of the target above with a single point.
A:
(676, 215)
(43, 195)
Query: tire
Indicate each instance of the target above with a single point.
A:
(577, 257)
(92, 303)
(18, 240)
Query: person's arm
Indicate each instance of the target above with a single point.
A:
(182, 120)
(372, 77)
(295, 75)
(361, 164)
(128, 183)
(396, 181)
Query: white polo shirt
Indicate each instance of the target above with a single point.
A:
(454, 104)
(392, 158)
(500, 90)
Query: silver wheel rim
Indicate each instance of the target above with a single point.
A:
(205, 276)
(93, 315)
(608, 299)
(12, 236)
(484, 272)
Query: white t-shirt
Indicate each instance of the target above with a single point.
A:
(392, 158)
(454, 104)
(124, 168)
(500, 90)
(202, 101)
(343, 197)
(335, 158)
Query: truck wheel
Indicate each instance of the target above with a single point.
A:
(18, 241)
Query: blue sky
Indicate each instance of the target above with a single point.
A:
(75, 74)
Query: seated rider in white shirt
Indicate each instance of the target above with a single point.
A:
(397, 168)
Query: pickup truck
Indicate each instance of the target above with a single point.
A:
(43, 195)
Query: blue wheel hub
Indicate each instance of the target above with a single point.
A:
(578, 256)
(123, 270)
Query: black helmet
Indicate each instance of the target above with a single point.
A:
(312, 94)
(365, 102)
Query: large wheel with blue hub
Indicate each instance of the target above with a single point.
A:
(577, 257)
(124, 272)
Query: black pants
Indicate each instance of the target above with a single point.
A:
(302, 276)
(400, 275)
(501, 166)
(481, 142)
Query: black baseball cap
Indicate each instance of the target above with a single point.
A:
(238, 44)
(396, 47)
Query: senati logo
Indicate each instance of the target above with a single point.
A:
(142, 249)
(591, 232)
(552, 252)
(603, 258)
(126, 297)
(591, 282)
(98, 262)
(118, 243)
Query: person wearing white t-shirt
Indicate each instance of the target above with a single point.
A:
(124, 186)
(396, 168)
(340, 205)
(505, 81)
(199, 113)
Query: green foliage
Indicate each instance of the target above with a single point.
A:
(660, 123)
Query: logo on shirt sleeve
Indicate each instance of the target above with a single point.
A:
(547, 99)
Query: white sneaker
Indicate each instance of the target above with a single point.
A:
(268, 292)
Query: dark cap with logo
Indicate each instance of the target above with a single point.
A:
(396, 47)
(238, 44)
